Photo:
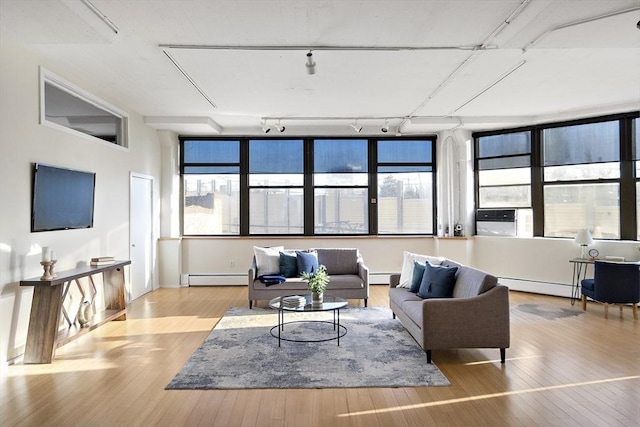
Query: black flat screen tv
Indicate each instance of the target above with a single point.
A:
(62, 199)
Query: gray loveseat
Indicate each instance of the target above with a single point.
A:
(349, 277)
(476, 317)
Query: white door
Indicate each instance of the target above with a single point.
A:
(141, 236)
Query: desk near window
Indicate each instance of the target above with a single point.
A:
(44, 334)
(580, 267)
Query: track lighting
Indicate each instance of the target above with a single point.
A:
(280, 127)
(355, 126)
(385, 128)
(311, 65)
(265, 127)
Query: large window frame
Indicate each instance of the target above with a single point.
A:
(313, 183)
(544, 183)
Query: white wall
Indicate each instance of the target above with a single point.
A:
(22, 142)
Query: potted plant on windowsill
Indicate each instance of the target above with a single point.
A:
(317, 283)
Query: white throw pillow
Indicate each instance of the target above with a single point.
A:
(407, 266)
(268, 259)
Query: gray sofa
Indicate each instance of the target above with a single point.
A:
(349, 277)
(476, 317)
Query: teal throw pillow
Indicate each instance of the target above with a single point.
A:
(437, 281)
(307, 262)
(288, 264)
(416, 279)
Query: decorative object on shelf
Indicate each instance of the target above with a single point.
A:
(317, 283)
(84, 314)
(584, 239)
(593, 253)
(102, 260)
(46, 265)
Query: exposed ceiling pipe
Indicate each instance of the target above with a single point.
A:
(517, 11)
(188, 77)
(322, 47)
(579, 22)
(101, 15)
(504, 76)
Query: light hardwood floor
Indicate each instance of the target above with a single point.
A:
(565, 367)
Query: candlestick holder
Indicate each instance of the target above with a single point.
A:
(46, 265)
(53, 264)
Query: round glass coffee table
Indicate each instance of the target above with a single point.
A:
(288, 304)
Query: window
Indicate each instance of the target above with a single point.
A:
(211, 184)
(504, 176)
(67, 107)
(276, 187)
(340, 186)
(581, 179)
(307, 186)
(570, 176)
(405, 187)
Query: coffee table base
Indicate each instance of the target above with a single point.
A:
(341, 331)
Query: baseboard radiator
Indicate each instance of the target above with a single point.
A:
(240, 279)
(537, 287)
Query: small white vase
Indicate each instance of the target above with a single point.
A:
(84, 314)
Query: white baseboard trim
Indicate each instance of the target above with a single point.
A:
(216, 279)
(537, 287)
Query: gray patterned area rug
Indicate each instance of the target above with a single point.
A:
(241, 353)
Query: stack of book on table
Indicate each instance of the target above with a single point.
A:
(293, 301)
(102, 260)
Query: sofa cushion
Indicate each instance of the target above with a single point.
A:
(406, 273)
(339, 260)
(416, 280)
(288, 264)
(471, 282)
(437, 282)
(307, 262)
(267, 260)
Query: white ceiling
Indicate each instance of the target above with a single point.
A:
(425, 65)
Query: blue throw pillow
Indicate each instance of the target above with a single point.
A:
(416, 279)
(307, 262)
(288, 264)
(437, 282)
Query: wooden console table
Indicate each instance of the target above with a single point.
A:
(44, 334)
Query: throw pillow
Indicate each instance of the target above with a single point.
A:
(307, 262)
(418, 272)
(437, 281)
(406, 274)
(268, 259)
(288, 264)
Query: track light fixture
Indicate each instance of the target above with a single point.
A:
(385, 128)
(265, 127)
(280, 127)
(311, 65)
(355, 126)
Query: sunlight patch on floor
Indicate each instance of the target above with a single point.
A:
(487, 396)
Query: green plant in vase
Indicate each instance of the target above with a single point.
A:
(317, 283)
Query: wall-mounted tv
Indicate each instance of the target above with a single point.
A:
(62, 199)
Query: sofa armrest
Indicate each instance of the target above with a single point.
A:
(252, 273)
(480, 321)
(363, 272)
(394, 280)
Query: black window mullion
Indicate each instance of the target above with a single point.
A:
(373, 187)
(244, 187)
(628, 222)
(309, 209)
